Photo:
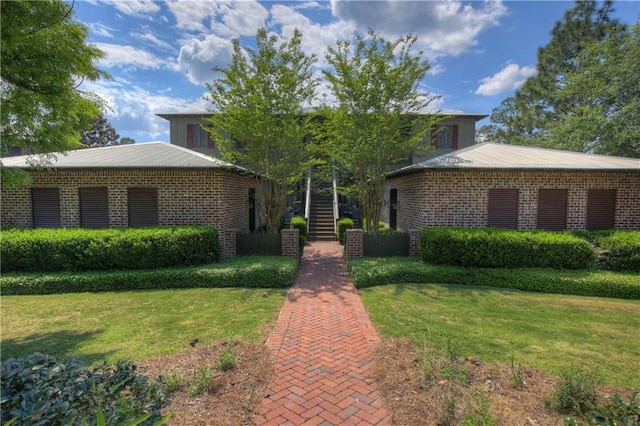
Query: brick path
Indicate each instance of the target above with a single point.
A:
(322, 344)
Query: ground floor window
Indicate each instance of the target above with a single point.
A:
(601, 209)
(94, 207)
(552, 209)
(45, 207)
(503, 208)
(143, 206)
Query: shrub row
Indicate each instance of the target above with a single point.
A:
(620, 250)
(254, 271)
(41, 390)
(368, 272)
(299, 223)
(492, 247)
(76, 249)
(342, 225)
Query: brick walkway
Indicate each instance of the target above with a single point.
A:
(322, 344)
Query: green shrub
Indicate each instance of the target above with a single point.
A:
(577, 391)
(300, 223)
(622, 251)
(342, 225)
(227, 359)
(503, 248)
(76, 249)
(41, 390)
(367, 272)
(251, 271)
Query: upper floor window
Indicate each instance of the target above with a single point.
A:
(198, 137)
(445, 137)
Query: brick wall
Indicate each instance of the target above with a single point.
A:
(354, 245)
(185, 197)
(290, 243)
(459, 198)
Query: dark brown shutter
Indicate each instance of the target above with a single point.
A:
(94, 208)
(190, 135)
(601, 209)
(503, 208)
(552, 209)
(45, 206)
(143, 206)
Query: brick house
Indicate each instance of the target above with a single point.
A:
(516, 187)
(131, 185)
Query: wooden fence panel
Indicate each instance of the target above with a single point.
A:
(386, 245)
(258, 244)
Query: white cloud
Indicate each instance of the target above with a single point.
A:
(511, 77)
(151, 38)
(448, 28)
(191, 14)
(135, 7)
(128, 57)
(227, 18)
(133, 109)
(198, 57)
(243, 17)
(97, 29)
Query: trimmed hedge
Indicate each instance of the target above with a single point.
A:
(367, 272)
(254, 271)
(342, 225)
(77, 249)
(620, 250)
(503, 248)
(300, 223)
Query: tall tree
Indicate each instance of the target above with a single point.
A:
(126, 141)
(531, 116)
(44, 59)
(100, 134)
(258, 116)
(375, 121)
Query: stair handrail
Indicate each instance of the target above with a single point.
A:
(307, 203)
(336, 213)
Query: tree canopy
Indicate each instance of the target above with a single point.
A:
(585, 94)
(375, 121)
(44, 59)
(258, 115)
(100, 134)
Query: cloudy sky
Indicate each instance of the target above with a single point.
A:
(160, 54)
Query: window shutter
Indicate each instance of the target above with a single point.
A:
(209, 139)
(143, 206)
(503, 208)
(189, 135)
(601, 209)
(45, 206)
(552, 209)
(454, 136)
(94, 207)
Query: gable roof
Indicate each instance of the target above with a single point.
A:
(492, 156)
(204, 114)
(150, 155)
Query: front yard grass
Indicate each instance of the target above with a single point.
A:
(134, 325)
(547, 331)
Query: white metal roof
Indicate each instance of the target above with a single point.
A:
(154, 155)
(512, 157)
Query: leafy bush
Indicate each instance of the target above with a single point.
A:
(502, 248)
(366, 272)
(342, 225)
(577, 391)
(41, 390)
(227, 359)
(250, 271)
(76, 249)
(622, 250)
(299, 223)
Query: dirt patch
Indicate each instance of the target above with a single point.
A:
(421, 388)
(229, 397)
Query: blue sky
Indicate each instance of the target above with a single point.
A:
(160, 53)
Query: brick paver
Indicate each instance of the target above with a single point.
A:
(322, 343)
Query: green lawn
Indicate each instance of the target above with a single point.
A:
(546, 331)
(133, 325)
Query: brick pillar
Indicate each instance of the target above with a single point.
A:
(228, 243)
(290, 243)
(414, 248)
(354, 245)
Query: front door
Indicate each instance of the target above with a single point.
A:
(393, 209)
(252, 209)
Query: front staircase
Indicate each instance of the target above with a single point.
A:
(321, 227)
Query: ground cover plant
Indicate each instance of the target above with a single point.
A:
(250, 271)
(549, 332)
(366, 272)
(133, 325)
